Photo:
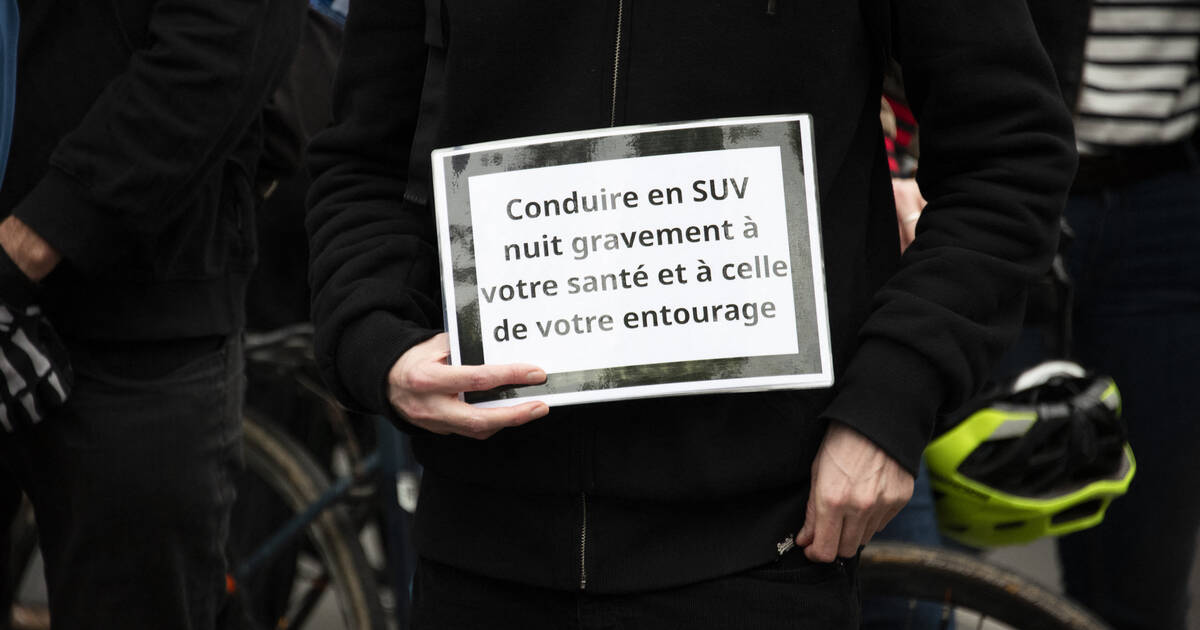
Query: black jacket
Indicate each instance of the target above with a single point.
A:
(642, 494)
(1062, 26)
(136, 137)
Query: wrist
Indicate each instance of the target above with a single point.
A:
(31, 253)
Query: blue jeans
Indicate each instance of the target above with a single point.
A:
(1136, 268)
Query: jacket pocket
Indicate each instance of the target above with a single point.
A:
(794, 567)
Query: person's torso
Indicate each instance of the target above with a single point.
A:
(71, 53)
(505, 69)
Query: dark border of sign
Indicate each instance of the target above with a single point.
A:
(811, 366)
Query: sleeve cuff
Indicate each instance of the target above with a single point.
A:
(366, 353)
(57, 209)
(891, 394)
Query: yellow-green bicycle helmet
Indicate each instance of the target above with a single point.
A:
(1044, 458)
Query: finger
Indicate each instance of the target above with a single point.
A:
(854, 528)
(41, 364)
(50, 392)
(827, 531)
(437, 377)
(12, 375)
(874, 526)
(890, 514)
(869, 530)
(58, 388)
(481, 423)
(882, 519)
(804, 537)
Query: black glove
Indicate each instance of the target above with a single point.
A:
(35, 372)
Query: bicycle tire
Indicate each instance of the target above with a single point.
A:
(960, 581)
(286, 468)
(23, 540)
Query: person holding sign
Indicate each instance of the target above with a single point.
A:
(715, 510)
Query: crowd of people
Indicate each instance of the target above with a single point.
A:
(143, 136)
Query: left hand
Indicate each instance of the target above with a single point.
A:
(35, 257)
(856, 489)
(909, 204)
(37, 376)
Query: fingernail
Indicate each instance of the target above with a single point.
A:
(535, 376)
(538, 412)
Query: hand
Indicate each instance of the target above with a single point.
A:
(424, 389)
(36, 376)
(31, 253)
(909, 204)
(856, 489)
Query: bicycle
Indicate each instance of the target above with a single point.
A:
(296, 535)
(311, 551)
(968, 592)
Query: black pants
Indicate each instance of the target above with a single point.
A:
(132, 484)
(791, 593)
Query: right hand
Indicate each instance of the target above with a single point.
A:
(424, 389)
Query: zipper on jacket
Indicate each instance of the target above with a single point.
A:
(612, 118)
(583, 542)
(612, 122)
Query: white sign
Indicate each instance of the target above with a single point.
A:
(637, 261)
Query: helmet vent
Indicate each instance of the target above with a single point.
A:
(1076, 512)
(1076, 440)
(1009, 525)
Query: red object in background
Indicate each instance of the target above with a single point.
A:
(901, 159)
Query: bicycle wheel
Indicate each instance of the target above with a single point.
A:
(325, 567)
(969, 593)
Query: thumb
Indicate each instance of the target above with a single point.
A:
(806, 535)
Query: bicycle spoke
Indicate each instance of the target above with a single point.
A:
(307, 603)
(947, 611)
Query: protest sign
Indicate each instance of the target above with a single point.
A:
(637, 261)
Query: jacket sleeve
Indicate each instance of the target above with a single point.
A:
(373, 261)
(997, 158)
(163, 126)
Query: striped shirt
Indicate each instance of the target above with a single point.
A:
(1140, 79)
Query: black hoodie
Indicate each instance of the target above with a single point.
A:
(644, 494)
